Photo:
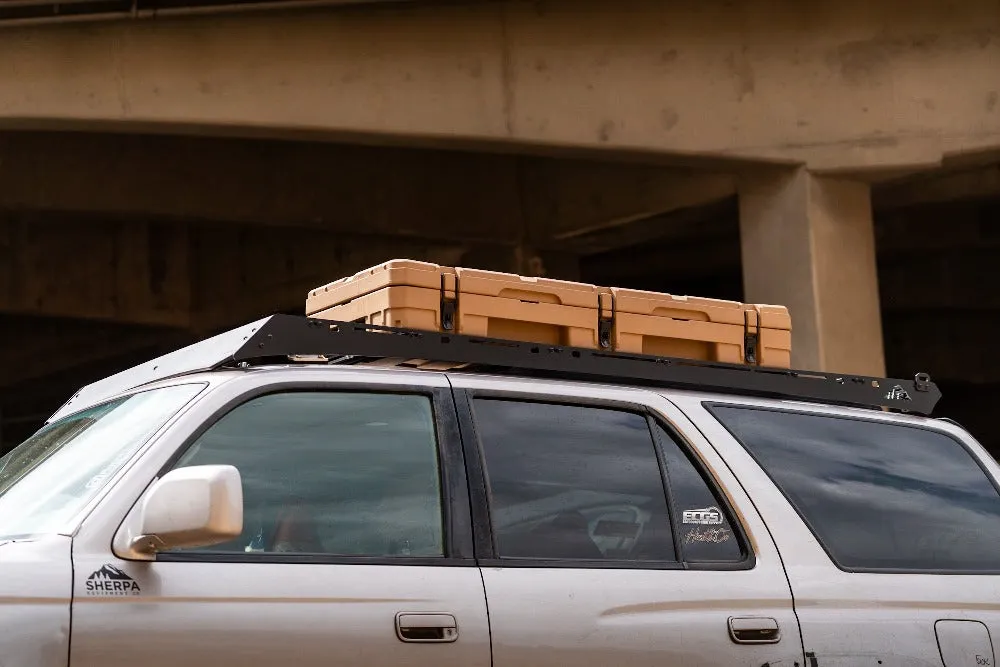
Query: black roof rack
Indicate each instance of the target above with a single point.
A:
(345, 342)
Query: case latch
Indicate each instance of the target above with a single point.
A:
(605, 319)
(751, 336)
(449, 304)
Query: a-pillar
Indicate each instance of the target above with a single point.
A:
(808, 243)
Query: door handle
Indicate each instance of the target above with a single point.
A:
(754, 630)
(424, 628)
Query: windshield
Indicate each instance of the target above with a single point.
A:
(51, 476)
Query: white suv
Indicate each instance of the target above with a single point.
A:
(237, 503)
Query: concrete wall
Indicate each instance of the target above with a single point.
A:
(140, 229)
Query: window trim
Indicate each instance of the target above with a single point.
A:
(484, 544)
(749, 560)
(455, 507)
(481, 494)
(710, 407)
(668, 492)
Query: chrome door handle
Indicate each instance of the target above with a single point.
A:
(423, 627)
(754, 630)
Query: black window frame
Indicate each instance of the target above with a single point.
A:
(485, 537)
(455, 506)
(709, 407)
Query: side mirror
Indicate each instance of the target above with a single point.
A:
(189, 507)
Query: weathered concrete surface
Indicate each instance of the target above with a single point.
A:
(840, 85)
(808, 243)
(432, 194)
(448, 195)
(194, 277)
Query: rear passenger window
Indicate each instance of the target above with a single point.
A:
(573, 483)
(877, 495)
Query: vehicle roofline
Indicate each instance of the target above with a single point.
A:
(218, 376)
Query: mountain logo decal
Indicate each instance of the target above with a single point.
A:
(897, 393)
(110, 580)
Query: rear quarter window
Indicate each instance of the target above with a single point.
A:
(878, 496)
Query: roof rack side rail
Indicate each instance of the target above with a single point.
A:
(291, 335)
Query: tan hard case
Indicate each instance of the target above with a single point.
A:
(420, 295)
(695, 328)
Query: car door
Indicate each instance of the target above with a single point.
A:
(356, 547)
(889, 528)
(617, 538)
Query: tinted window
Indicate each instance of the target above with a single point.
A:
(878, 495)
(332, 473)
(705, 530)
(573, 483)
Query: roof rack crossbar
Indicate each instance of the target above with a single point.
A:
(291, 335)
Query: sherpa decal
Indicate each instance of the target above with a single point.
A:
(109, 580)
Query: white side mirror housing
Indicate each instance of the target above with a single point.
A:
(189, 507)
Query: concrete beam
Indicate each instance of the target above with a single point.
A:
(838, 85)
(808, 243)
(980, 183)
(467, 197)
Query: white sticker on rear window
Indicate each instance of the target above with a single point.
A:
(706, 516)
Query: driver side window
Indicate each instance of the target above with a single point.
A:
(331, 473)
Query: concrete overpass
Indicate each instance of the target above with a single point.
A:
(163, 176)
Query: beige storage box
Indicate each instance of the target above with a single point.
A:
(708, 329)
(418, 295)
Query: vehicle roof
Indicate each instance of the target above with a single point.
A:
(286, 372)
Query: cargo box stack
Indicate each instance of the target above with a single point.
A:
(418, 295)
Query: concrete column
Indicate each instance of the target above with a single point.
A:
(808, 243)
